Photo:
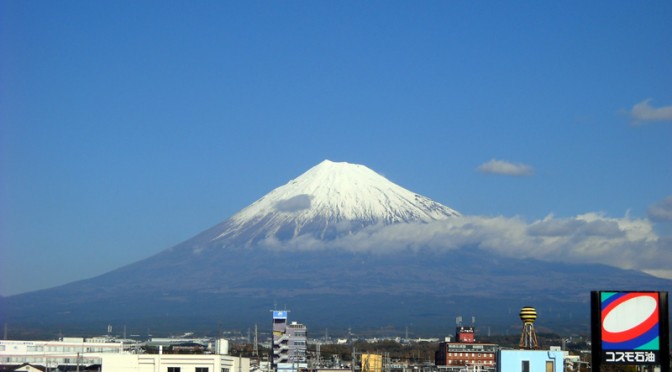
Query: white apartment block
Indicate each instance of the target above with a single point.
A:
(112, 357)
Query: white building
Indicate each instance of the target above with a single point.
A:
(111, 357)
(50, 354)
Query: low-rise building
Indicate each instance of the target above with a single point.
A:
(27, 367)
(50, 354)
(73, 353)
(372, 363)
(466, 352)
(174, 363)
(530, 360)
(289, 344)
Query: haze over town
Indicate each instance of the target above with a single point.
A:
(126, 128)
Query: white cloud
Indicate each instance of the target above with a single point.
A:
(503, 167)
(589, 238)
(662, 210)
(294, 204)
(643, 112)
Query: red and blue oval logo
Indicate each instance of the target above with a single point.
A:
(630, 320)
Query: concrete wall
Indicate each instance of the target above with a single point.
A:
(120, 363)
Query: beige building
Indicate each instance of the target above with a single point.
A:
(174, 363)
(372, 363)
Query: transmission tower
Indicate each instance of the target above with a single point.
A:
(255, 350)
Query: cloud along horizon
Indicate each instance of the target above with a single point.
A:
(627, 243)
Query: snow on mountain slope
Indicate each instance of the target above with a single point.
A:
(329, 200)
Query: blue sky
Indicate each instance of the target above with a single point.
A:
(128, 127)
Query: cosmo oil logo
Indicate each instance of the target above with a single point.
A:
(630, 321)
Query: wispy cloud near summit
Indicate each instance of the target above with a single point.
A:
(643, 112)
(662, 210)
(505, 168)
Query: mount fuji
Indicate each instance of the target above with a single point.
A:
(341, 246)
(328, 201)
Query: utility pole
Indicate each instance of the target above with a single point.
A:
(318, 354)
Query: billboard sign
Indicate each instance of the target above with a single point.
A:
(280, 314)
(630, 328)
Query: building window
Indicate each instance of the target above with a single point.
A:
(173, 369)
(526, 366)
(549, 366)
(225, 370)
(202, 369)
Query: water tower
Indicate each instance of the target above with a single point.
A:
(528, 339)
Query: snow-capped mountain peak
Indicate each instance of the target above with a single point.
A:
(330, 199)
